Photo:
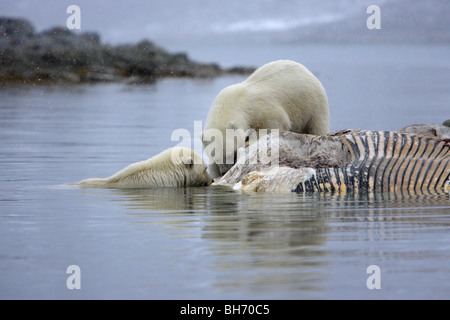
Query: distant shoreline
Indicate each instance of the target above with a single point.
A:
(58, 55)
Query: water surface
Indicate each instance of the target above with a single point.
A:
(210, 243)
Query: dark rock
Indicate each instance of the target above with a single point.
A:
(60, 55)
(241, 70)
(15, 31)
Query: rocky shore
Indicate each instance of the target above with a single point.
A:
(60, 55)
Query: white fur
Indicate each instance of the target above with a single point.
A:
(175, 167)
(280, 95)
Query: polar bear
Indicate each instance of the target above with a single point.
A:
(282, 95)
(174, 167)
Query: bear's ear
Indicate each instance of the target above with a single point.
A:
(231, 125)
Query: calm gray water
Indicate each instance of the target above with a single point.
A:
(213, 243)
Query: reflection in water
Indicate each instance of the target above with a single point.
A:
(271, 233)
(261, 241)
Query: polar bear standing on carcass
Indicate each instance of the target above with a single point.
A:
(281, 95)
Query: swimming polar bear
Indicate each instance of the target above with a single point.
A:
(174, 167)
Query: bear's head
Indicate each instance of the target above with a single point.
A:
(191, 166)
(225, 146)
